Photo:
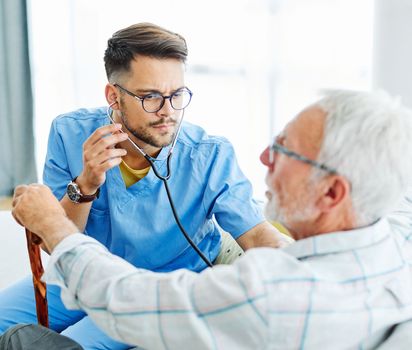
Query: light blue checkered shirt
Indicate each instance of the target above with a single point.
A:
(334, 291)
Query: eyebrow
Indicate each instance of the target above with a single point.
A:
(148, 91)
(280, 136)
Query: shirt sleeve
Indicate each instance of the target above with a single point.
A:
(231, 193)
(56, 173)
(223, 307)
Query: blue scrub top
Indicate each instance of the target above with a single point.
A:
(137, 223)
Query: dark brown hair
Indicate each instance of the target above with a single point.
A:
(144, 39)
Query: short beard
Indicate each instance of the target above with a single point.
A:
(144, 136)
(295, 211)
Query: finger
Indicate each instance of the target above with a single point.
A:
(107, 142)
(110, 154)
(105, 155)
(109, 164)
(97, 168)
(15, 200)
(37, 185)
(19, 190)
(36, 239)
(41, 188)
(101, 132)
(15, 218)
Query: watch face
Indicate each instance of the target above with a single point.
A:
(73, 192)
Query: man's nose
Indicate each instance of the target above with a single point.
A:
(167, 109)
(265, 158)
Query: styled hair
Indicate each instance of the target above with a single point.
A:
(368, 139)
(144, 39)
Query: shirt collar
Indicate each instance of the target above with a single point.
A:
(340, 241)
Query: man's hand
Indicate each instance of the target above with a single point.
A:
(36, 208)
(263, 235)
(100, 155)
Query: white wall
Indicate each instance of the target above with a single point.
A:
(14, 261)
(393, 48)
(14, 258)
(289, 48)
(252, 63)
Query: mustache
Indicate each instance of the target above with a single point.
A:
(163, 121)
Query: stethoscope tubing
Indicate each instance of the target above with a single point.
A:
(164, 179)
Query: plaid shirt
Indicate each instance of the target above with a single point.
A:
(342, 290)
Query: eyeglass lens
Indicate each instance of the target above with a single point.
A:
(179, 100)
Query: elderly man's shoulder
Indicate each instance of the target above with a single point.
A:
(400, 218)
(274, 264)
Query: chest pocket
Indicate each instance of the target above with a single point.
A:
(98, 226)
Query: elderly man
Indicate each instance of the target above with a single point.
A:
(334, 173)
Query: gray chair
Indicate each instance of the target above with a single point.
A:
(29, 336)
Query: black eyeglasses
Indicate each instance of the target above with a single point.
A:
(154, 101)
(277, 148)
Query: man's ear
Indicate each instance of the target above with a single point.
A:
(336, 190)
(110, 92)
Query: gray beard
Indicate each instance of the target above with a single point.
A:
(297, 210)
(272, 210)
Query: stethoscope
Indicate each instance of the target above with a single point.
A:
(164, 178)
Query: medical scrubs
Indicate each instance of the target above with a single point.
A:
(136, 223)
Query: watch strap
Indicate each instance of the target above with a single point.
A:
(84, 198)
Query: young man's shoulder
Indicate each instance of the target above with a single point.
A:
(195, 136)
(83, 115)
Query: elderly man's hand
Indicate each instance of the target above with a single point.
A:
(36, 208)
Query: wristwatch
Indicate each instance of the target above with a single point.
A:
(76, 196)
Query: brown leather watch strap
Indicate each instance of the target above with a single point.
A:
(77, 196)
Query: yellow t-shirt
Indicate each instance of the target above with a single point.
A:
(281, 228)
(131, 176)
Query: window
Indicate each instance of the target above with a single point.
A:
(252, 64)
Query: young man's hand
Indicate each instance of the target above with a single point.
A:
(100, 155)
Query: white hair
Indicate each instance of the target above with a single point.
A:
(368, 139)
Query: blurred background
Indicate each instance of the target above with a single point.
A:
(253, 64)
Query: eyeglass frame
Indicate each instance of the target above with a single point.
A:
(277, 148)
(141, 99)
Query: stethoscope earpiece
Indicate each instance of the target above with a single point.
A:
(113, 103)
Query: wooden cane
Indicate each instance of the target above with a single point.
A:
(40, 290)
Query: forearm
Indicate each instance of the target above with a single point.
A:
(76, 212)
(55, 230)
(158, 310)
(122, 300)
(263, 235)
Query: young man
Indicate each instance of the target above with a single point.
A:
(109, 189)
(346, 282)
